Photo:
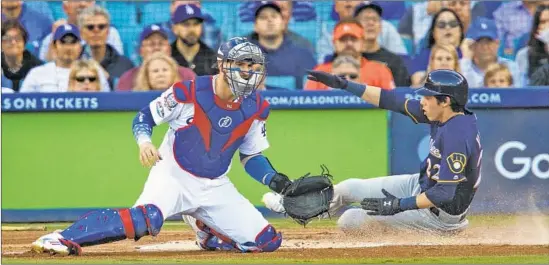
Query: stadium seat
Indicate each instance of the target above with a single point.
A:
(155, 12)
(409, 43)
(56, 8)
(243, 28)
(287, 82)
(130, 38)
(308, 29)
(123, 14)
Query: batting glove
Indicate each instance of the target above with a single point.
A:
(329, 80)
(389, 205)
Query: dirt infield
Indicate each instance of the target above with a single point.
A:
(520, 236)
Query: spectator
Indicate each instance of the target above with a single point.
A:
(84, 76)
(535, 54)
(35, 23)
(541, 76)
(159, 72)
(211, 35)
(446, 29)
(348, 41)
(514, 19)
(279, 49)
(484, 52)
(290, 10)
(347, 67)
(54, 76)
(72, 9)
(16, 61)
(418, 18)
(443, 56)
(498, 76)
(94, 23)
(389, 38)
(153, 39)
(369, 15)
(188, 50)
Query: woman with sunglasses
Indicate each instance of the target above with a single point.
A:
(84, 76)
(446, 29)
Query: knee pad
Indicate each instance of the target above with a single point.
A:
(141, 220)
(111, 225)
(268, 240)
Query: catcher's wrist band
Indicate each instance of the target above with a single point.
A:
(260, 169)
(355, 88)
(408, 203)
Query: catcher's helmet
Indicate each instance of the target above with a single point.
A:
(239, 50)
(448, 83)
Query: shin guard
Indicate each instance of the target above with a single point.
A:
(110, 225)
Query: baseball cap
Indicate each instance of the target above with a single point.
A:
(483, 28)
(151, 29)
(66, 29)
(368, 4)
(352, 29)
(186, 12)
(264, 4)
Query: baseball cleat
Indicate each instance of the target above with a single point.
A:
(55, 244)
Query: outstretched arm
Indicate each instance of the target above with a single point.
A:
(385, 99)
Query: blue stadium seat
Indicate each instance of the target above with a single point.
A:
(56, 8)
(287, 82)
(243, 29)
(123, 14)
(130, 37)
(324, 9)
(308, 29)
(155, 12)
(409, 43)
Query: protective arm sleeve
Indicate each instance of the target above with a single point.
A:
(259, 168)
(142, 125)
(394, 101)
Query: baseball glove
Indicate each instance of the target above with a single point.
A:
(309, 196)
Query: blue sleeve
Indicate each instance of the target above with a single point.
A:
(259, 168)
(391, 100)
(441, 194)
(142, 125)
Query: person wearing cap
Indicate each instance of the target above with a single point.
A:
(349, 40)
(72, 9)
(283, 56)
(94, 23)
(483, 45)
(369, 15)
(291, 11)
(153, 39)
(188, 50)
(389, 38)
(54, 76)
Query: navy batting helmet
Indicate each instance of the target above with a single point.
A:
(446, 83)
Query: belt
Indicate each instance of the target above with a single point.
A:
(436, 212)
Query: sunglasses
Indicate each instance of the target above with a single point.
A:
(91, 27)
(348, 76)
(82, 79)
(68, 40)
(444, 24)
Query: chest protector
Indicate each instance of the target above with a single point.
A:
(206, 146)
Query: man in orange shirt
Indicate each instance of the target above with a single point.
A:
(348, 41)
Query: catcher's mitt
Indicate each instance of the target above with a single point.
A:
(309, 196)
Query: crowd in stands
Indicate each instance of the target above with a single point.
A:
(64, 46)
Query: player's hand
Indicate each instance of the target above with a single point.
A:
(327, 79)
(148, 154)
(389, 205)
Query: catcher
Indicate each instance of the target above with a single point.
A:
(436, 199)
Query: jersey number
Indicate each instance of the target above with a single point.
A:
(435, 167)
(264, 130)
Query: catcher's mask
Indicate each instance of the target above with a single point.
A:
(243, 65)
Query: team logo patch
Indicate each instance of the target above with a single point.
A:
(170, 102)
(456, 162)
(160, 109)
(225, 122)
